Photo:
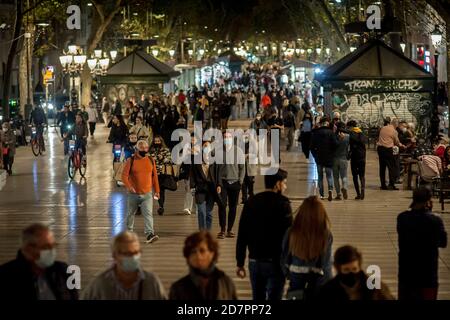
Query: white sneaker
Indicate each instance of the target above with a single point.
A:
(187, 212)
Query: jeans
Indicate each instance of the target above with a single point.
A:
(230, 194)
(80, 144)
(92, 128)
(329, 174)
(267, 280)
(162, 197)
(234, 112)
(188, 197)
(247, 187)
(305, 138)
(358, 170)
(145, 201)
(204, 213)
(251, 109)
(340, 172)
(387, 160)
(290, 136)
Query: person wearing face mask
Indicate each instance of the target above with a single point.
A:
(125, 279)
(9, 147)
(233, 178)
(140, 177)
(258, 123)
(264, 221)
(206, 181)
(162, 157)
(420, 235)
(205, 282)
(140, 130)
(350, 283)
(35, 274)
(306, 126)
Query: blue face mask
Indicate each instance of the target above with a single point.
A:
(228, 141)
(46, 258)
(131, 264)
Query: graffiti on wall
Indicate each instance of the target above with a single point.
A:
(384, 85)
(370, 109)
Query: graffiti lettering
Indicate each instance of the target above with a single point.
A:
(388, 85)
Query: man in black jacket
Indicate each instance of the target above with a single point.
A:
(323, 146)
(34, 274)
(420, 234)
(357, 158)
(264, 221)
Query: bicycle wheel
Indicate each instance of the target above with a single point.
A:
(35, 147)
(71, 169)
(83, 167)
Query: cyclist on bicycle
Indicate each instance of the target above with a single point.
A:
(39, 119)
(80, 133)
(119, 132)
(66, 121)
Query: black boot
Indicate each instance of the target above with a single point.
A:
(362, 194)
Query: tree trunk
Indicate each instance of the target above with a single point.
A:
(9, 62)
(86, 77)
(25, 76)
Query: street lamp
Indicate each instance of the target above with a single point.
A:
(327, 50)
(99, 65)
(201, 52)
(171, 53)
(436, 38)
(155, 52)
(72, 62)
(318, 50)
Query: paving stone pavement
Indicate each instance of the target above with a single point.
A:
(85, 215)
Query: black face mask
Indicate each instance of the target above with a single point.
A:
(142, 153)
(133, 143)
(351, 279)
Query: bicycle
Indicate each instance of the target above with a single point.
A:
(76, 161)
(36, 142)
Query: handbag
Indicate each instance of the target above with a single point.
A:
(167, 179)
(118, 170)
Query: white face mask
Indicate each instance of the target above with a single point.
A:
(5, 129)
(46, 258)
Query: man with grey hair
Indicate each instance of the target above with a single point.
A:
(125, 279)
(141, 180)
(34, 274)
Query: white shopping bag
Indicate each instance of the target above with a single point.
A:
(3, 176)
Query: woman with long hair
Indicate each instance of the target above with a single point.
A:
(162, 156)
(306, 256)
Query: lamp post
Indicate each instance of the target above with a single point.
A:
(436, 38)
(99, 63)
(72, 62)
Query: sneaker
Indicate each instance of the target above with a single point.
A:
(161, 211)
(322, 197)
(187, 212)
(221, 235)
(230, 234)
(338, 197)
(358, 197)
(393, 188)
(384, 188)
(330, 195)
(152, 238)
(344, 193)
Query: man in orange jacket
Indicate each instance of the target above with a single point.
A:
(140, 178)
